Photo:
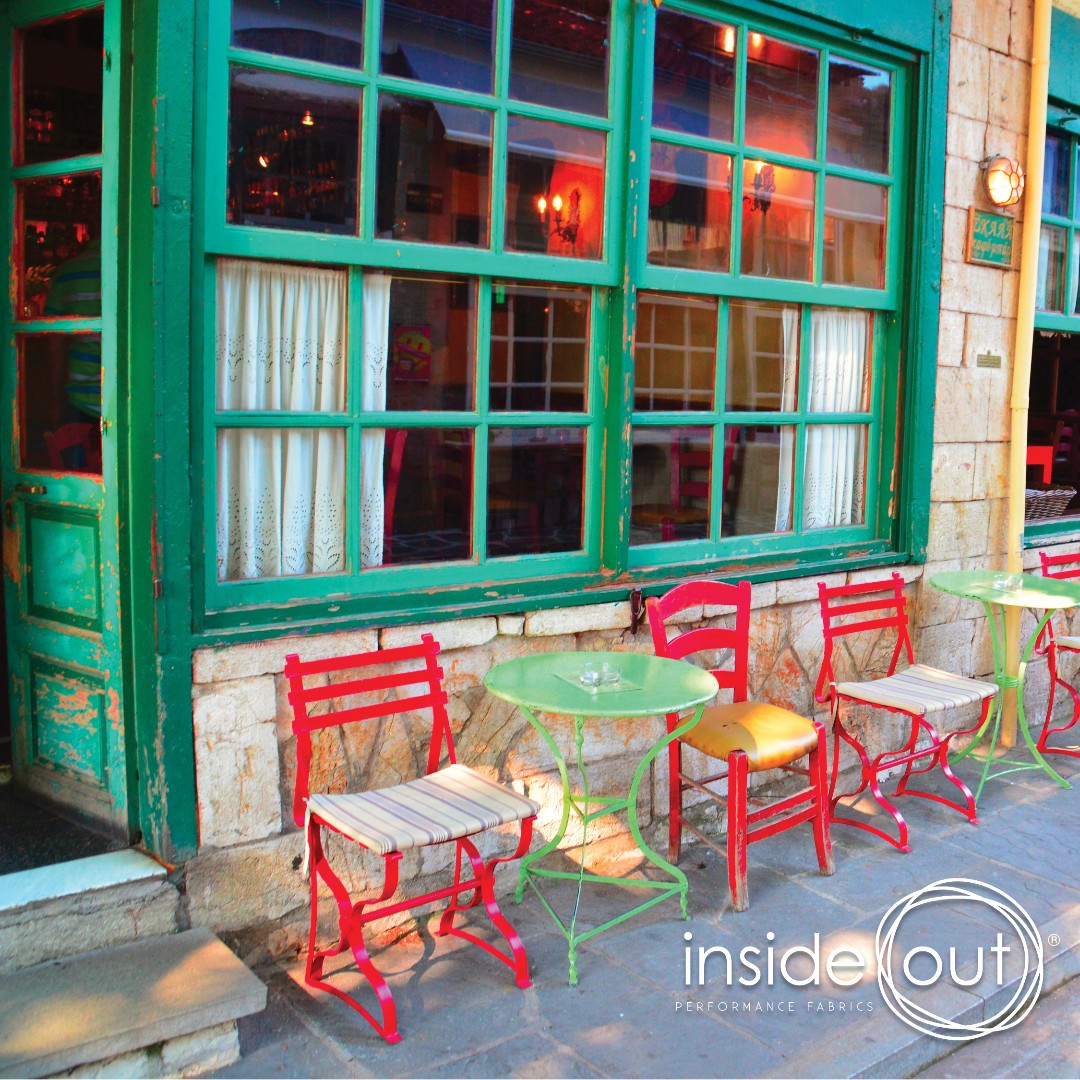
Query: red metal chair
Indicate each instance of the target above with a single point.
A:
(1066, 568)
(915, 692)
(449, 804)
(750, 736)
(83, 437)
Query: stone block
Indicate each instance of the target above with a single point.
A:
(201, 1052)
(236, 761)
(932, 606)
(990, 334)
(909, 573)
(947, 645)
(1020, 27)
(965, 138)
(961, 413)
(1009, 93)
(951, 327)
(963, 180)
(984, 23)
(957, 530)
(799, 590)
(763, 595)
(953, 472)
(511, 625)
(577, 620)
(969, 287)
(969, 79)
(268, 657)
(456, 634)
(997, 533)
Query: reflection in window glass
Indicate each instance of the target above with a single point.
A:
(1074, 261)
(777, 221)
(434, 172)
(535, 490)
(60, 402)
(61, 252)
(328, 31)
(839, 360)
(433, 42)
(280, 502)
(1050, 285)
(694, 76)
(763, 356)
(554, 188)
(559, 54)
(670, 482)
(858, 123)
(294, 149)
(689, 208)
(1056, 175)
(431, 344)
(539, 348)
(781, 96)
(854, 233)
(61, 87)
(427, 485)
(759, 466)
(674, 352)
(834, 479)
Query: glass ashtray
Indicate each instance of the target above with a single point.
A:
(594, 675)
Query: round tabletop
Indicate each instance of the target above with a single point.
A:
(1012, 590)
(647, 686)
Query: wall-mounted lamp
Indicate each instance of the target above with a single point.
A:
(764, 187)
(564, 231)
(1003, 180)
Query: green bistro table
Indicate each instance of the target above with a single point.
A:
(647, 686)
(998, 591)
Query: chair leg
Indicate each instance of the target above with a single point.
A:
(938, 755)
(737, 826)
(1056, 680)
(675, 793)
(819, 783)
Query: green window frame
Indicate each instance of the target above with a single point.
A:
(897, 477)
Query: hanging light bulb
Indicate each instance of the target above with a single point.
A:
(308, 120)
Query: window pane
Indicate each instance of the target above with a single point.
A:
(60, 402)
(427, 484)
(559, 54)
(431, 344)
(694, 76)
(758, 469)
(840, 341)
(280, 337)
(535, 489)
(294, 151)
(1074, 261)
(763, 357)
(858, 123)
(781, 96)
(674, 352)
(61, 87)
(435, 42)
(670, 482)
(329, 31)
(777, 221)
(854, 233)
(1050, 287)
(689, 208)
(1055, 198)
(280, 502)
(554, 188)
(434, 181)
(61, 252)
(539, 348)
(834, 482)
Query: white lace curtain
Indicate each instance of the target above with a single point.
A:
(834, 468)
(280, 491)
(376, 313)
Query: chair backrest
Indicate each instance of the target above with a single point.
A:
(689, 472)
(425, 675)
(888, 608)
(1060, 566)
(69, 436)
(695, 594)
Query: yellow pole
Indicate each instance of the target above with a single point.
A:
(1025, 329)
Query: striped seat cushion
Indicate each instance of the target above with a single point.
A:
(1067, 641)
(919, 689)
(444, 805)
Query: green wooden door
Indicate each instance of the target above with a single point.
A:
(61, 588)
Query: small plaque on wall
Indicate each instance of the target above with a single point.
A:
(989, 238)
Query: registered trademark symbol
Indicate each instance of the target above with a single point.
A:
(1052, 940)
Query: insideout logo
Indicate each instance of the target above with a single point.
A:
(924, 966)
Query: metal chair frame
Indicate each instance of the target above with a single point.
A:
(882, 613)
(354, 915)
(1065, 568)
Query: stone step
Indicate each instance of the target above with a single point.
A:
(85, 904)
(162, 1006)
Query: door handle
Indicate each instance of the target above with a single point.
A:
(31, 489)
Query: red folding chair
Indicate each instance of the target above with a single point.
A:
(1066, 568)
(915, 692)
(750, 736)
(449, 804)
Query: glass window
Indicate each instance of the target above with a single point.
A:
(763, 356)
(1059, 151)
(854, 251)
(781, 96)
(759, 466)
(674, 352)
(328, 31)
(672, 478)
(860, 105)
(777, 221)
(1050, 285)
(433, 42)
(689, 208)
